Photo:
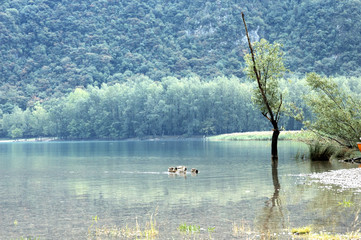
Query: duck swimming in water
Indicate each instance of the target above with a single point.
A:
(172, 169)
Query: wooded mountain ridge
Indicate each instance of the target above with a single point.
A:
(49, 47)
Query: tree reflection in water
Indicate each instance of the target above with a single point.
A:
(272, 218)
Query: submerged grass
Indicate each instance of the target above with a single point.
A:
(149, 231)
(184, 228)
(243, 229)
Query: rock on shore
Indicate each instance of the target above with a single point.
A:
(343, 178)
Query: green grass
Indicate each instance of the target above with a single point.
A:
(320, 151)
(346, 203)
(342, 152)
(189, 228)
(264, 135)
(149, 231)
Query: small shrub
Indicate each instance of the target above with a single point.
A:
(343, 153)
(321, 151)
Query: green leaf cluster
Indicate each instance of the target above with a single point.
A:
(269, 64)
(336, 110)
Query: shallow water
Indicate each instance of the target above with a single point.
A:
(52, 190)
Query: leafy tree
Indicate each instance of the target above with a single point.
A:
(265, 65)
(16, 133)
(336, 112)
(39, 121)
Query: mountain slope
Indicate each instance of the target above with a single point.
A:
(49, 47)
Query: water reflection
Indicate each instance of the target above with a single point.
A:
(320, 166)
(63, 184)
(272, 218)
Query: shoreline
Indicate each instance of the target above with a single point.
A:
(343, 179)
(146, 138)
(262, 135)
(236, 136)
(45, 139)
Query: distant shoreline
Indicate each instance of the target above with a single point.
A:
(44, 139)
(146, 138)
(237, 136)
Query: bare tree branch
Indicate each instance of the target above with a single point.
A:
(258, 77)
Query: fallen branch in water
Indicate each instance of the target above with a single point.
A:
(352, 160)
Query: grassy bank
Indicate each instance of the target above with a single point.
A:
(150, 231)
(263, 135)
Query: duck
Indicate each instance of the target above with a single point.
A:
(181, 169)
(172, 169)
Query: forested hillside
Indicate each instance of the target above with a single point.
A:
(141, 107)
(48, 47)
(113, 69)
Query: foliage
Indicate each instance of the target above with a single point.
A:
(336, 111)
(269, 63)
(265, 66)
(59, 59)
(343, 152)
(141, 107)
(48, 48)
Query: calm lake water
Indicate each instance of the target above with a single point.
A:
(52, 190)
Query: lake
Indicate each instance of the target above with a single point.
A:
(54, 190)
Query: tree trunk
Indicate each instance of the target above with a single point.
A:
(275, 135)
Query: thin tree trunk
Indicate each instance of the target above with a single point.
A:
(273, 118)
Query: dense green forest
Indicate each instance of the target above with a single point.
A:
(49, 48)
(142, 107)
